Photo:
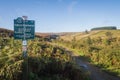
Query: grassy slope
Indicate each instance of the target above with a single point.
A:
(95, 35)
(92, 34)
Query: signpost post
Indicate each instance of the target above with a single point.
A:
(24, 29)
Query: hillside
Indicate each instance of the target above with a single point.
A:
(101, 48)
(6, 32)
(9, 33)
(92, 34)
(44, 62)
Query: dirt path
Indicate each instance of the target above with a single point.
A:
(96, 73)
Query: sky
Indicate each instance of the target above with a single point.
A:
(61, 15)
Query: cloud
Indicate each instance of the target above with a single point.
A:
(71, 6)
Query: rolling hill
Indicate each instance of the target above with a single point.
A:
(91, 34)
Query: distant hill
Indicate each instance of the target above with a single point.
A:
(10, 33)
(68, 35)
(6, 32)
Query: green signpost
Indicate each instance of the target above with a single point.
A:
(24, 29)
